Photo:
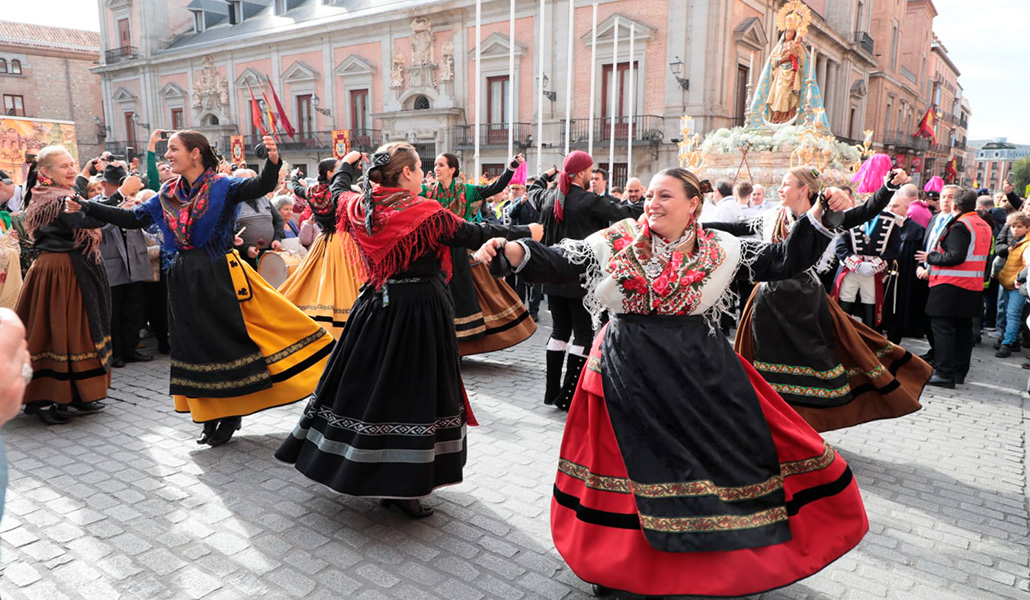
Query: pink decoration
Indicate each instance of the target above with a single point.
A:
(936, 184)
(872, 172)
(519, 178)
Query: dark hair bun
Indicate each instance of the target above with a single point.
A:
(375, 175)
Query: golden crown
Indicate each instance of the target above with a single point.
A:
(795, 15)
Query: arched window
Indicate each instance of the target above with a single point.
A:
(3, 66)
(209, 120)
(421, 103)
(16, 67)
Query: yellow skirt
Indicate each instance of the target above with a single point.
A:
(326, 283)
(287, 339)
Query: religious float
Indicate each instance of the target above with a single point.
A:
(785, 124)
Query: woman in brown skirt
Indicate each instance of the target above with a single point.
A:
(65, 302)
(831, 369)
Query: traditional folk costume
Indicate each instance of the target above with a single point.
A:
(326, 283)
(389, 414)
(237, 346)
(905, 294)
(682, 472)
(65, 303)
(834, 371)
(488, 314)
(570, 212)
(866, 253)
(10, 264)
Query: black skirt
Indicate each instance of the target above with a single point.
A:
(388, 417)
(469, 323)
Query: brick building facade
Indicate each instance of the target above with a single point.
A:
(45, 74)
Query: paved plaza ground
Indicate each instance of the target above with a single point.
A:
(124, 504)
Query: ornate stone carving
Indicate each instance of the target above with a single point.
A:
(397, 72)
(421, 42)
(211, 91)
(447, 66)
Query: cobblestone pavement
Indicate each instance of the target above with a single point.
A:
(124, 504)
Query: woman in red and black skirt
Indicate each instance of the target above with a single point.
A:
(682, 472)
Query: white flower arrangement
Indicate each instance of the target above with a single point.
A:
(781, 139)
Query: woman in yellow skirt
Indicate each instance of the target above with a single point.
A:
(237, 346)
(326, 283)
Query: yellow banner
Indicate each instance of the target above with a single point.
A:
(341, 143)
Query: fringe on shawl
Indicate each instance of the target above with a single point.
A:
(415, 240)
(46, 207)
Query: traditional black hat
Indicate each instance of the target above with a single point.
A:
(114, 174)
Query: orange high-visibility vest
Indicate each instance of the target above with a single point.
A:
(969, 275)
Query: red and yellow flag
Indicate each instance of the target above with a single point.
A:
(928, 126)
(255, 112)
(285, 120)
(236, 149)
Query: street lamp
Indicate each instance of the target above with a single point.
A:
(101, 127)
(549, 94)
(676, 67)
(315, 101)
(138, 123)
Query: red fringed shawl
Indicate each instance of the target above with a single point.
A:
(405, 228)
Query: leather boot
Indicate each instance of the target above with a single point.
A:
(849, 307)
(869, 315)
(223, 433)
(555, 360)
(572, 371)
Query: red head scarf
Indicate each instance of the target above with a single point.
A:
(576, 161)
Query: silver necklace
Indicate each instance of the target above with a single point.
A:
(661, 252)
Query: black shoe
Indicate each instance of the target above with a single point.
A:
(48, 414)
(939, 381)
(412, 508)
(928, 357)
(1003, 352)
(136, 356)
(86, 408)
(117, 363)
(226, 427)
(208, 432)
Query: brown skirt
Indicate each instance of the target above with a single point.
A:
(506, 320)
(68, 365)
(884, 380)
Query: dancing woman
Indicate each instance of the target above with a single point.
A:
(682, 472)
(326, 283)
(388, 417)
(833, 370)
(488, 314)
(237, 346)
(65, 301)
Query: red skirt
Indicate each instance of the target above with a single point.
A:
(594, 514)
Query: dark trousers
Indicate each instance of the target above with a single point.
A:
(570, 320)
(126, 318)
(155, 297)
(952, 345)
(530, 294)
(990, 312)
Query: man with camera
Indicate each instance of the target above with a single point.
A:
(125, 259)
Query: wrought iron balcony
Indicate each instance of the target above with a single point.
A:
(492, 135)
(117, 55)
(644, 129)
(864, 40)
(362, 140)
(905, 140)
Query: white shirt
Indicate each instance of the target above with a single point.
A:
(728, 211)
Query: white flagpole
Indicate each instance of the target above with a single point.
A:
(479, 85)
(569, 78)
(593, 83)
(613, 109)
(511, 81)
(632, 97)
(540, 93)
